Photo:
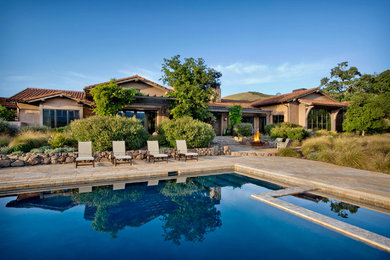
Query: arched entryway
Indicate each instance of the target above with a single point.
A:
(319, 119)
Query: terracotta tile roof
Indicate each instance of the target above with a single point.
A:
(5, 102)
(135, 77)
(35, 93)
(323, 103)
(284, 98)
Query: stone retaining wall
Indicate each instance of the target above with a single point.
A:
(29, 159)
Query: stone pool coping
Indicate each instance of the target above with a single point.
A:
(366, 187)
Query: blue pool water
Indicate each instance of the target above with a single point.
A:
(210, 217)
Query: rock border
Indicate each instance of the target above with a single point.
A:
(30, 159)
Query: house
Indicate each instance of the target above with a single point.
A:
(57, 108)
(310, 108)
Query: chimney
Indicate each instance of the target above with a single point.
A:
(217, 94)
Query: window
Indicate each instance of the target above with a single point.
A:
(318, 119)
(129, 113)
(57, 117)
(276, 119)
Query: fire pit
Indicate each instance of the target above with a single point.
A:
(256, 140)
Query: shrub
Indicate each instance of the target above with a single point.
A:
(60, 150)
(7, 114)
(61, 139)
(289, 152)
(369, 152)
(289, 130)
(28, 140)
(6, 128)
(243, 129)
(18, 153)
(268, 128)
(40, 149)
(325, 132)
(103, 130)
(41, 129)
(195, 132)
(6, 150)
(4, 140)
(316, 144)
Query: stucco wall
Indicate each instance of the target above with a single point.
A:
(293, 113)
(28, 114)
(316, 96)
(144, 88)
(281, 109)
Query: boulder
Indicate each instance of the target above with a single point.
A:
(69, 160)
(17, 163)
(5, 163)
(46, 160)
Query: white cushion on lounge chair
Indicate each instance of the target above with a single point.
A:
(123, 157)
(190, 154)
(160, 155)
(85, 159)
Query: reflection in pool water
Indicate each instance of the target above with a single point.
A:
(205, 217)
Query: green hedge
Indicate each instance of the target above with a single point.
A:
(196, 133)
(268, 128)
(103, 130)
(289, 130)
(243, 129)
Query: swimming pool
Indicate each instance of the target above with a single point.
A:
(203, 218)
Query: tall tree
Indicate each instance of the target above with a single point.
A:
(342, 81)
(110, 98)
(194, 85)
(366, 113)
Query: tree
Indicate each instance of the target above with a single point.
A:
(7, 114)
(343, 83)
(110, 98)
(194, 85)
(381, 83)
(366, 113)
(235, 115)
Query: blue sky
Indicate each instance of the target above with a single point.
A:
(265, 46)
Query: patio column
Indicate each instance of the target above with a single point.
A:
(333, 117)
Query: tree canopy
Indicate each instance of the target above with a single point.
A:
(235, 114)
(110, 98)
(194, 86)
(342, 81)
(366, 113)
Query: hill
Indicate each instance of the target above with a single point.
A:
(247, 96)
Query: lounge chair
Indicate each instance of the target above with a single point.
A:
(182, 152)
(85, 154)
(154, 152)
(119, 153)
(277, 141)
(284, 144)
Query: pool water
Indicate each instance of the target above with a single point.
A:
(370, 220)
(209, 217)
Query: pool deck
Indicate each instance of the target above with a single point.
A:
(367, 187)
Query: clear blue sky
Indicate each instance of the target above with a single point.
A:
(265, 46)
